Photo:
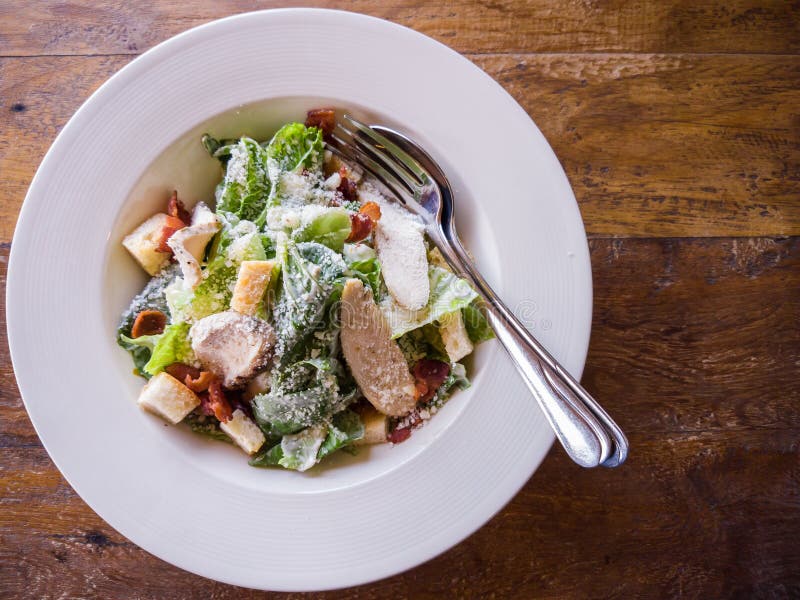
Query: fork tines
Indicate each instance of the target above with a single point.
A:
(388, 163)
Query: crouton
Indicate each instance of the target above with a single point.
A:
(376, 426)
(251, 283)
(168, 398)
(244, 432)
(144, 241)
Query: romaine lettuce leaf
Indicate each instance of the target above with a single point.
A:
(457, 379)
(304, 449)
(219, 149)
(207, 427)
(301, 395)
(245, 189)
(279, 412)
(144, 341)
(478, 328)
(308, 384)
(311, 274)
(329, 227)
(423, 342)
(448, 294)
(346, 427)
(150, 298)
(267, 457)
(294, 165)
(140, 349)
(295, 147)
(300, 449)
(172, 346)
(179, 300)
(362, 262)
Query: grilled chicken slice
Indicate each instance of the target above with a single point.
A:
(233, 346)
(375, 359)
(401, 250)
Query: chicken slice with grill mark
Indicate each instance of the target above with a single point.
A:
(375, 359)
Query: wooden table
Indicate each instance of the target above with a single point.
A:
(678, 124)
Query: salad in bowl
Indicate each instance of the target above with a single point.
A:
(305, 313)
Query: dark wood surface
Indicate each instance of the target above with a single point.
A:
(678, 124)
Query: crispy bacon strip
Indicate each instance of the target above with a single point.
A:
(193, 378)
(347, 187)
(360, 227)
(324, 118)
(399, 435)
(421, 390)
(363, 222)
(149, 322)
(181, 371)
(173, 224)
(175, 208)
(429, 375)
(218, 402)
(199, 383)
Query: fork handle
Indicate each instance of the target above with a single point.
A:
(580, 424)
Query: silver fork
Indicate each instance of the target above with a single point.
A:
(589, 436)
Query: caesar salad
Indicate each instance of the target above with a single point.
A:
(306, 313)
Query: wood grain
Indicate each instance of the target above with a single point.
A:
(694, 351)
(732, 26)
(653, 145)
(669, 145)
(678, 125)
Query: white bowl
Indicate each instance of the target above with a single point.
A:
(196, 503)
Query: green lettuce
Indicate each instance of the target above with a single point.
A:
(267, 457)
(457, 379)
(423, 342)
(362, 262)
(219, 149)
(301, 395)
(475, 322)
(179, 299)
(206, 426)
(311, 274)
(302, 450)
(308, 385)
(295, 147)
(245, 189)
(448, 294)
(329, 227)
(294, 158)
(140, 350)
(346, 427)
(172, 346)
